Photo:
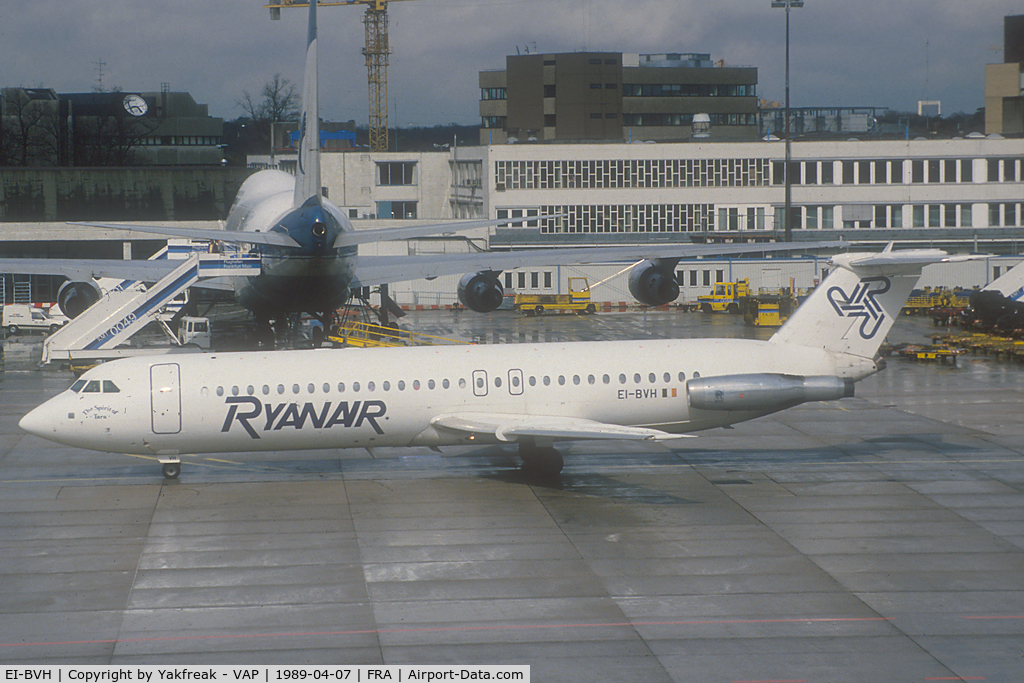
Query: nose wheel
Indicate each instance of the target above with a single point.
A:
(171, 468)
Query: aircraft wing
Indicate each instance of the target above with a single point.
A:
(512, 427)
(84, 269)
(274, 239)
(377, 270)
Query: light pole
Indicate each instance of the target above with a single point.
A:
(787, 221)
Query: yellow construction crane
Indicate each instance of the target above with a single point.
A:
(376, 50)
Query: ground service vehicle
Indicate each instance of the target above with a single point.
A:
(578, 299)
(19, 317)
(726, 297)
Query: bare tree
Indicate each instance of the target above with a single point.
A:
(29, 128)
(278, 102)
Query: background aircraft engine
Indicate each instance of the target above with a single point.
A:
(758, 392)
(652, 285)
(75, 297)
(481, 292)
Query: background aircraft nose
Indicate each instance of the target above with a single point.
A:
(39, 421)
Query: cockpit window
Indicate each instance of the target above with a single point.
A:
(110, 388)
(77, 386)
(93, 387)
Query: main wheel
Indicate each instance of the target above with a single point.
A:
(591, 309)
(12, 329)
(545, 462)
(539, 310)
(171, 470)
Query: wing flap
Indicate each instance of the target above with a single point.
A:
(513, 427)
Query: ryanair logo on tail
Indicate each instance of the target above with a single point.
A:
(861, 303)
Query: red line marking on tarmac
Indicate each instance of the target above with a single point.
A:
(443, 629)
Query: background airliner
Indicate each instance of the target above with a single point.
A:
(532, 395)
(308, 247)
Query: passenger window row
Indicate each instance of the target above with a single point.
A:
(416, 385)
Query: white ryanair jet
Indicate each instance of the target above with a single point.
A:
(534, 395)
(308, 247)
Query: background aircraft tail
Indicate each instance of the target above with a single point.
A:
(307, 175)
(853, 310)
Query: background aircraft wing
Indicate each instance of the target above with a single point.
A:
(511, 427)
(84, 269)
(276, 239)
(377, 270)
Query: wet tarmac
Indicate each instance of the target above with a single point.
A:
(878, 538)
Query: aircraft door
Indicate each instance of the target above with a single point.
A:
(479, 382)
(515, 382)
(165, 398)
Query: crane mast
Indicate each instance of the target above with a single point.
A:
(376, 50)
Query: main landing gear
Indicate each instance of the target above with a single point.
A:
(544, 461)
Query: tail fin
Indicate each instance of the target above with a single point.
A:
(853, 310)
(307, 175)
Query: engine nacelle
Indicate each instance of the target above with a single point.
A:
(75, 297)
(761, 392)
(649, 284)
(481, 292)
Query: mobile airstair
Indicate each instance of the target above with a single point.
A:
(97, 333)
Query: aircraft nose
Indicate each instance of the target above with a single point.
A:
(39, 421)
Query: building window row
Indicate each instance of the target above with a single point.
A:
(396, 173)
(493, 94)
(687, 90)
(627, 218)
(898, 171)
(630, 173)
(181, 141)
(950, 215)
(669, 120)
(493, 122)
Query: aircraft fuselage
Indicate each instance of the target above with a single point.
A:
(341, 398)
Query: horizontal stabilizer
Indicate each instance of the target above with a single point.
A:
(347, 239)
(557, 428)
(273, 239)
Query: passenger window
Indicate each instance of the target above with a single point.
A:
(652, 378)
(533, 381)
(92, 387)
(234, 391)
(220, 391)
(606, 379)
(445, 383)
(386, 386)
(327, 388)
(280, 388)
(497, 381)
(462, 383)
(622, 379)
(355, 386)
(668, 377)
(311, 389)
(77, 386)
(591, 379)
(341, 387)
(576, 380)
(295, 388)
(401, 385)
(250, 390)
(370, 386)
(682, 376)
(266, 390)
(547, 380)
(561, 380)
(430, 384)
(636, 378)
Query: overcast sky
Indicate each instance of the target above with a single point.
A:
(844, 52)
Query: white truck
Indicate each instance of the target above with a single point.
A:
(18, 317)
